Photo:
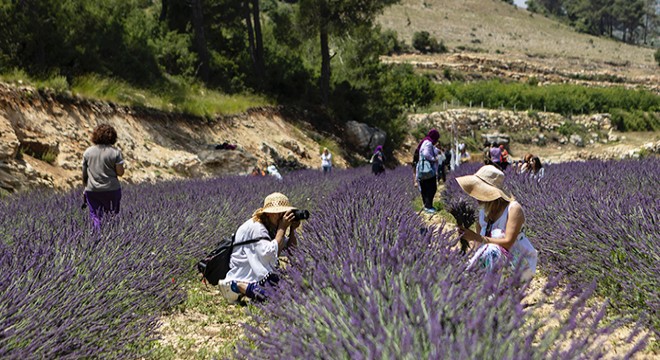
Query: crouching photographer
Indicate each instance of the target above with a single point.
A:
(253, 266)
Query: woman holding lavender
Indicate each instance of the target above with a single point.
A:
(101, 166)
(501, 219)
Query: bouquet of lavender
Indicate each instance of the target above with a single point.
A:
(465, 215)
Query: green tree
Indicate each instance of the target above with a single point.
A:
(331, 17)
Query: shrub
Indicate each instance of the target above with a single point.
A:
(425, 43)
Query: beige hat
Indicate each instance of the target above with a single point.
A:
(485, 185)
(276, 203)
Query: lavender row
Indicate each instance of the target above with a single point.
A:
(595, 221)
(371, 280)
(66, 292)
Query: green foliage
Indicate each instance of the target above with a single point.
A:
(657, 56)
(425, 43)
(565, 99)
(393, 45)
(635, 120)
(568, 128)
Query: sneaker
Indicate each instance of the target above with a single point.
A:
(430, 211)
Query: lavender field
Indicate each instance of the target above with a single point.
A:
(595, 223)
(370, 278)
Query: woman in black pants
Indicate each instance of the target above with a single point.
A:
(428, 152)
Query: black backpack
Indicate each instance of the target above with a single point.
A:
(215, 266)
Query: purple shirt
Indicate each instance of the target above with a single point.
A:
(495, 154)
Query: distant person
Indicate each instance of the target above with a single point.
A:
(102, 166)
(504, 158)
(499, 228)
(414, 167)
(464, 155)
(254, 267)
(428, 152)
(496, 155)
(486, 152)
(536, 168)
(526, 163)
(441, 158)
(272, 170)
(378, 161)
(326, 161)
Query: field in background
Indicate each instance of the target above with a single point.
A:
(507, 32)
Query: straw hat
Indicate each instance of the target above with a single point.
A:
(276, 203)
(485, 185)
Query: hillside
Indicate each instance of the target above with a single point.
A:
(496, 30)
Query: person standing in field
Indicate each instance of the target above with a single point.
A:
(496, 155)
(326, 161)
(378, 161)
(102, 166)
(499, 228)
(428, 152)
(504, 158)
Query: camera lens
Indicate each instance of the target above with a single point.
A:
(301, 214)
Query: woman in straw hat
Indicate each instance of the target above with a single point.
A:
(254, 265)
(500, 222)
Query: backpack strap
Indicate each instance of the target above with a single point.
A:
(247, 242)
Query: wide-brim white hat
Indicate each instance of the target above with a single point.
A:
(487, 184)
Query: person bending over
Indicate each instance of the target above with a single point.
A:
(253, 267)
(500, 223)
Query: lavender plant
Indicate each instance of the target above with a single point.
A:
(465, 215)
(368, 284)
(363, 283)
(596, 222)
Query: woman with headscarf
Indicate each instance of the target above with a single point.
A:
(501, 219)
(253, 267)
(378, 161)
(428, 152)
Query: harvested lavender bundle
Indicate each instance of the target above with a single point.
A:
(465, 215)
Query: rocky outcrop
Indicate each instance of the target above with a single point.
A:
(43, 136)
(363, 136)
(466, 120)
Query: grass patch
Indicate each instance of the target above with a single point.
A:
(173, 94)
(205, 326)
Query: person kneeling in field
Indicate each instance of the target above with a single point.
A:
(500, 222)
(253, 267)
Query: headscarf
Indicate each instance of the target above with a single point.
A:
(379, 148)
(433, 136)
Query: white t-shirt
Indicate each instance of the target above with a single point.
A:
(252, 262)
(326, 160)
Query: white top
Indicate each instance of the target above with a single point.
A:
(273, 171)
(522, 248)
(539, 175)
(326, 160)
(252, 262)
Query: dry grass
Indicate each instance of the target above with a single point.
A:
(507, 32)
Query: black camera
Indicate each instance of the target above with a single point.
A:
(300, 215)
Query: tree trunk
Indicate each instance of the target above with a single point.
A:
(200, 39)
(163, 10)
(260, 64)
(325, 65)
(250, 31)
